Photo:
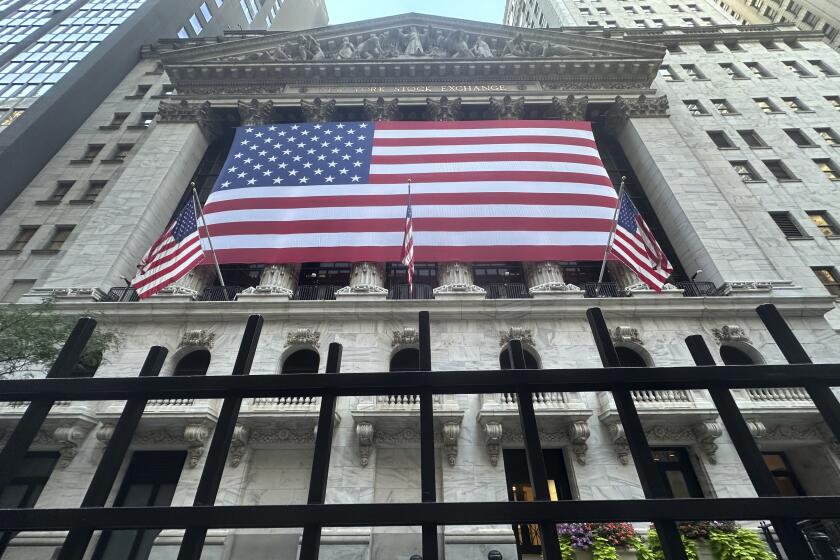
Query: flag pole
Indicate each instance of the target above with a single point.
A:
(612, 231)
(197, 203)
(408, 206)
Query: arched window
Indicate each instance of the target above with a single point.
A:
(733, 356)
(531, 361)
(407, 359)
(302, 361)
(628, 357)
(194, 363)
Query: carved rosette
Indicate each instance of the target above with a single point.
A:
(625, 334)
(730, 333)
(381, 110)
(255, 112)
(276, 280)
(569, 109)
(444, 109)
(457, 278)
(507, 108)
(450, 441)
(318, 111)
(186, 112)
(493, 440)
(366, 278)
(365, 433)
(303, 337)
(547, 278)
(516, 333)
(408, 336)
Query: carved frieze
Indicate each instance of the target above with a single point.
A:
(202, 337)
(730, 333)
(186, 112)
(303, 337)
(408, 336)
(625, 334)
(516, 333)
(444, 109)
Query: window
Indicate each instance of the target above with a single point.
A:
(195, 24)
(93, 191)
(118, 119)
(829, 31)
(758, 70)
(733, 356)
(720, 139)
(724, 107)
(205, 11)
(167, 89)
(834, 100)
(783, 474)
(693, 72)
(823, 67)
(58, 238)
(731, 70)
(695, 108)
(658, 23)
(674, 48)
(407, 359)
(150, 480)
(797, 69)
(92, 151)
(766, 105)
(630, 10)
(25, 488)
(142, 90)
(531, 361)
(182, 34)
(829, 135)
(779, 170)
(689, 22)
(628, 357)
(707, 21)
(770, 45)
(745, 171)
(787, 224)
(61, 189)
(647, 10)
(640, 23)
(829, 277)
(824, 223)
(810, 19)
(121, 151)
(693, 8)
(828, 168)
(676, 8)
(245, 10)
(585, 11)
(734, 46)
(24, 234)
(710, 47)
(675, 467)
(146, 119)
(195, 363)
(799, 138)
(302, 361)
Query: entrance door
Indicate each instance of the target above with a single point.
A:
(676, 469)
(520, 490)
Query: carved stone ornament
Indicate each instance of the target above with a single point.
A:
(444, 109)
(255, 112)
(578, 433)
(381, 110)
(748, 286)
(450, 441)
(87, 294)
(507, 108)
(68, 439)
(318, 111)
(516, 333)
(493, 441)
(186, 112)
(625, 334)
(365, 432)
(622, 448)
(546, 277)
(642, 107)
(457, 278)
(757, 428)
(303, 337)
(275, 279)
(203, 338)
(196, 435)
(569, 109)
(366, 278)
(239, 444)
(408, 336)
(639, 287)
(706, 434)
(730, 333)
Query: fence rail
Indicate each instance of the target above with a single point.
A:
(784, 513)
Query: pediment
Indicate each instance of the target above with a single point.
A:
(409, 37)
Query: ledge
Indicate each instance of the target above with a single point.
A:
(47, 202)
(9, 252)
(80, 202)
(112, 161)
(137, 127)
(79, 161)
(44, 251)
(134, 96)
(109, 127)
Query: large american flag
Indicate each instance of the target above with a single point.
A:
(172, 256)
(635, 246)
(482, 191)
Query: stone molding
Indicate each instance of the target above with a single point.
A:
(516, 333)
(202, 337)
(194, 436)
(68, 294)
(444, 109)
(507, 108)
(318, 111)
(730, 333)
(255, 112)
(185, 112)
(703, 434)
(381, 110)
(369, 437)
(574, 435)
(408, 336)
(569, 109)
(303, 337)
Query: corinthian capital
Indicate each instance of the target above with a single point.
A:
(318, 111)
(381, 110)
(186, 112)
(255, 112)
(570, 109)
(443, 110)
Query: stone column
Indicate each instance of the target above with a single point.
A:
(545, 279)
(140, 201)
(367, 279)
(455, 279)
(189, 286)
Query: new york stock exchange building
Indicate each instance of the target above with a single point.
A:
(714, 171)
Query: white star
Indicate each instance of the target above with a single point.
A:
(244, 142)
(318, 171)
(277, 146)
(259, 134)
(272, 159)
(301, 145)
(226, 184)
(283, 165)
(348, 144)
(249, 130)
(282, 133)
(362, 125)
(242, 175)
(325, 144)
(252, 181)
(262, 153)
(272, 128)
(339, 125)
(268, 140)
(287, 152)
(296, 158)
(343, 171)
(329, 179)
(328, 131)
(335, 150)
(295, 127)
(351, 131)
(247, 160)
(293, 172)
(291, 139)
(322, 157)
(360, 150)
(232, 169)
(278, 180)
(339, 138)
(332, 164)
(238, 156)
(355, 178)
(317, 127)
(307, 165)
(258, 167)
(310, 151)
(362, 137)
(315, 138)
(305, 133)
(303, 180)
(267, 173)
(345, 157)
(254, 147)
(357, 164)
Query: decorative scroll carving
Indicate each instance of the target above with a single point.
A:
(569, 109)
(239, 444)
(318, 111)
(303, 337)
(408, 336)
(450, 441)
(516, 333)
(507, 108)
(626, 334)
(619, 439)
(730, 333)
(444, 109)
(643, 107)
(195, 435)
(706, 434)
(201, 337)
(68, 439)
(638, 287)
(381, 110)
(365, 432)
(255, 112)
(578, 433)
(493, 441)
(104, 433)
(757, 428)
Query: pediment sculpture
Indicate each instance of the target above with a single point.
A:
(409, 42)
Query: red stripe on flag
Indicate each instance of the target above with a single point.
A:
(508, 156)
(379, 142)
(472, 125)
(471, 176)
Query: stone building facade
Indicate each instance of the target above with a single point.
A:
(662, 105)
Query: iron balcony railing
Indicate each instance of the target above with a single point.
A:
(221, 293)
(602, 290)
(315, 293)
(697, 289)
(121, 294)
(783, 512)
(506, 291)
(401, 291)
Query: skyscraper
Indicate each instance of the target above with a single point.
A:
(808, 15)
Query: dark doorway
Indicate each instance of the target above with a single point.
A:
(519, 489)
(194, 363)
(783, 474)
(407, 359)
(530, 360)
(732, 356)
(302, 361)
(628, 357)
(676, 469)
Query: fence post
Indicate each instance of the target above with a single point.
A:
(428, 487)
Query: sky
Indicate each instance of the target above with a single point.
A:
(343, 11)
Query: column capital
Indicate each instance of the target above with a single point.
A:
(444, 109)
(318, 111)
(255, 112)
(507, 108)
(570, 109)
(186, 112)
(641, 107)
(381, 110)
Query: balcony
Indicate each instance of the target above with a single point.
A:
(784, 414)
(603, 290)
(401, 291)
(561, 417)
(506, 291)
(315, 293)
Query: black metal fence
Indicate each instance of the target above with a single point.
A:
(602, 289)
(784, 512)
(506, 291)
(315, 293)
(401, 291)
(697, 289)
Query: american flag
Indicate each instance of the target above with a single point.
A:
(635, 246)
(172, 256)
(482, 191)
(408, 243)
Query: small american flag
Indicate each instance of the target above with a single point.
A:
(172, 256)
(635, 246)
(408, 244)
